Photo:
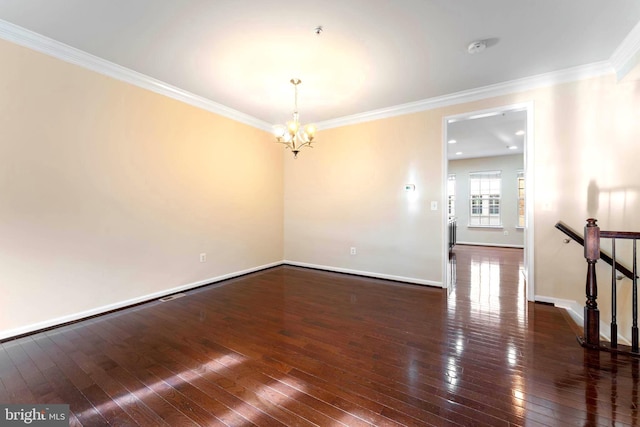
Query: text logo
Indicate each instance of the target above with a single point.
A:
(34, 415)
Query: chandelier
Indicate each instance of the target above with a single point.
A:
(294, 135)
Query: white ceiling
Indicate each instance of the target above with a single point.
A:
(487, 135)
(372, 53)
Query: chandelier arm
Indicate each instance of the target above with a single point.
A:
(305, 144)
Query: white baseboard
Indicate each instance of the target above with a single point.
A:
(576, 311)
(122, 304)
(493, 245)
(366, 274)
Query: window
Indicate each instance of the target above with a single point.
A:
(476, 204)
(451, 194)
(484, 199)
(521, 213)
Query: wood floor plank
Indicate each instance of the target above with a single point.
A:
(292, 346)
(17, 389)
(167, 412)
(221, 393)
(367, 372)
(183, 403)
(4, 394)
(28, 371)
(238, 377)
(95, 365)
(82, 409)
(107, 408)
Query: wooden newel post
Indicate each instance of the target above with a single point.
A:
(591, 312)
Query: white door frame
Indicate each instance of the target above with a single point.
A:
(529, 191)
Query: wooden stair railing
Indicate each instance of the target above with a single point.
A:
(603, 255)
(591, 339)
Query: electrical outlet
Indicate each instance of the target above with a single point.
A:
(203, 257)
(506, 232)
(353, 251)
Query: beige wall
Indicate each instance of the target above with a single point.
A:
(110, 192)
(509, 166)
(348, 191)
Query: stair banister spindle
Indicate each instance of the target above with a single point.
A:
(634, 303)
(591, 312)
(614, 297)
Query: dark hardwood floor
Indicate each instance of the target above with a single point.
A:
(296, 347)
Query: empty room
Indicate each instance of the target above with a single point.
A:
(350, 213)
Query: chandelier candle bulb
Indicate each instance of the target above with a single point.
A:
(310, 130)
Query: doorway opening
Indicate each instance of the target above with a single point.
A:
(488, 191)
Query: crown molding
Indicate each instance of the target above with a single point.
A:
(519, 85)
(621, 58)
(42, 44)
(627, 55)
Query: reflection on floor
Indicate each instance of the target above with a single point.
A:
(491, 281)
(529, 348)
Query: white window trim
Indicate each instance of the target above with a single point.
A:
(520, 174)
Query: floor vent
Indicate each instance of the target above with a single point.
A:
(172, 297)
